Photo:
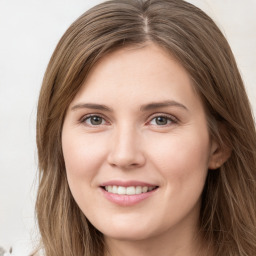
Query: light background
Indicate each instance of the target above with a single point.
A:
(29, 32)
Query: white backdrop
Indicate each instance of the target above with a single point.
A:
(29, 32)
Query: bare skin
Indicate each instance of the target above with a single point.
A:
(137, 120)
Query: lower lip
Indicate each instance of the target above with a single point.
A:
(127, 200)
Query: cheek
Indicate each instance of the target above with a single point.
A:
(182, 162)
(83, 154)
(181, 158)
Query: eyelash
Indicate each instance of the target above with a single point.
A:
(88, 117)
(171, 119)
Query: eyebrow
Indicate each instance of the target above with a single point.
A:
(167, 103)
(92, 106)
(143, 108)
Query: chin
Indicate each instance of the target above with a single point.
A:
(128, 232)
(129, 236)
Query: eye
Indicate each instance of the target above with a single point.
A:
(93, 120)
(162, 120)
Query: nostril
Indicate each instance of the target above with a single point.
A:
(126, 160)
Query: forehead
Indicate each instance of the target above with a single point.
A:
(138, 74)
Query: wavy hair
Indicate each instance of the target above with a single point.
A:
(227, 218)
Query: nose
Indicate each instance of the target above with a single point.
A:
(126, 149)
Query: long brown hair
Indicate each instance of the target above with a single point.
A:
(228, 218)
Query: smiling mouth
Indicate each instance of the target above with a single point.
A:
(131, 190)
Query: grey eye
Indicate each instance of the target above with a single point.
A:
(160, 120)
(94, 120)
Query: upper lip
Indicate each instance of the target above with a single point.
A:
(127, 183)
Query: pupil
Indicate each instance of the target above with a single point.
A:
(96, 120)
(161, 120)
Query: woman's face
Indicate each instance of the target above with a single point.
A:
(136, 146)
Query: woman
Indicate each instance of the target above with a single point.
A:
(145, 137)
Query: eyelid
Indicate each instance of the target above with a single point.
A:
(85, 117)
(172, 118)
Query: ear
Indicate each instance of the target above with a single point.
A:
(218, 155)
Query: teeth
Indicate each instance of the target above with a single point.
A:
(109, 189)
(128, 190)
(114, 189)
(138, 190)
(144, 189)
(121, 190)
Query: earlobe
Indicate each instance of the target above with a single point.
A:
(218, 155)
